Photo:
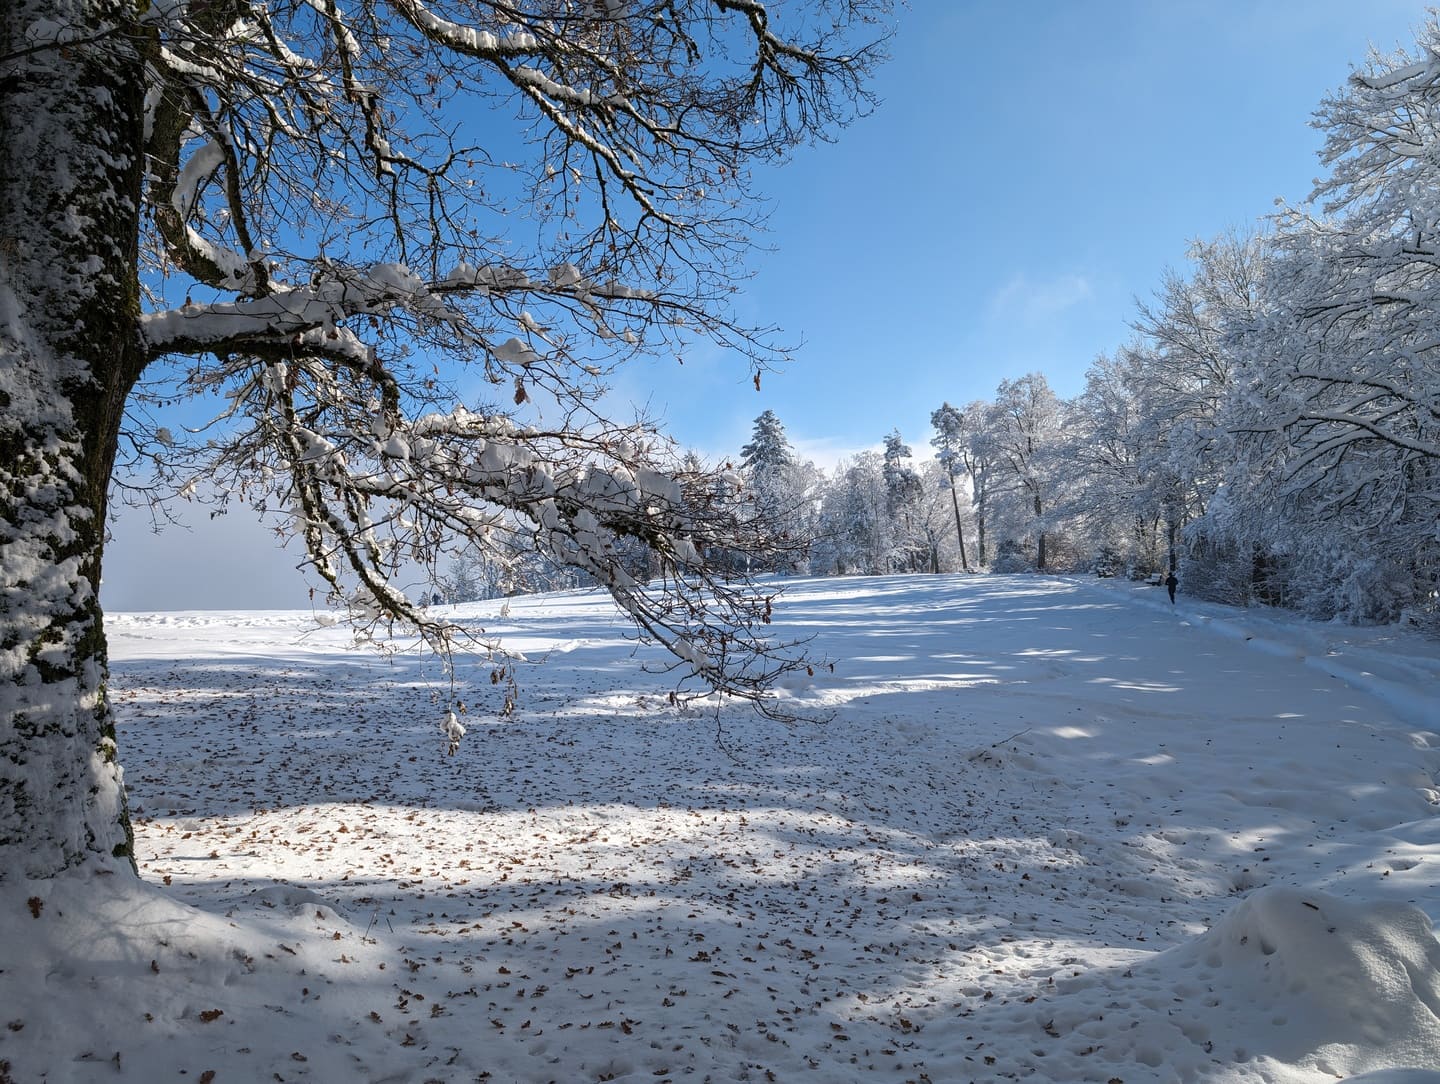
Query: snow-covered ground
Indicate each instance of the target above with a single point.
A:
(1033, 829)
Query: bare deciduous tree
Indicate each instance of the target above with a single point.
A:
(304, 214)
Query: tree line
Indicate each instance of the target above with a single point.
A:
(1271, 430)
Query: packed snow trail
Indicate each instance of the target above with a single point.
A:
(1036, 829)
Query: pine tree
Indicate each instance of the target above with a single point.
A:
(902, 496)
(949, 440)
(769, 449)
(779, 485)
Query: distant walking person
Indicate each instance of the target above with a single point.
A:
(1170, 584)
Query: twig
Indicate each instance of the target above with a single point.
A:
(1002, 741)
(720, 739)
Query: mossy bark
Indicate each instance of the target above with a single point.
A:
(72, 125)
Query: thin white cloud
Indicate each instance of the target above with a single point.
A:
(1030, 300)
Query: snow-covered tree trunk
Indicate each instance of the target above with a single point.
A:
(959, 530)
(69, 352)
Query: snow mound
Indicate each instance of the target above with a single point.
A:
(1288, 984)
(1346, 976)
(295, 900)
(102, 974)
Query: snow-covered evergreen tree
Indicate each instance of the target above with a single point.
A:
(903, 493)
(780, 487)
(768, 451)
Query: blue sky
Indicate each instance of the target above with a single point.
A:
(1033, 168)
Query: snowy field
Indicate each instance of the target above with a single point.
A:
(1052, 830)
